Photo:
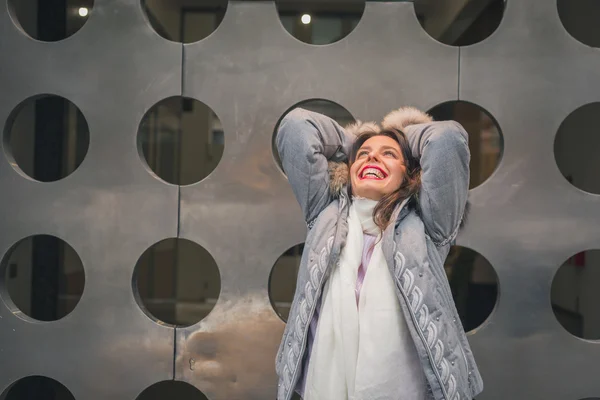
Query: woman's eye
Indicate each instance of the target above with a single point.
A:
(362, 153)
(390, 153)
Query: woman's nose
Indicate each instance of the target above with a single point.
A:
(372, 155)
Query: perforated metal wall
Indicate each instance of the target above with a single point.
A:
(526, 219)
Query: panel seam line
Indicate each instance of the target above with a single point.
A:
(458, 85)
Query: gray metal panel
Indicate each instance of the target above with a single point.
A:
(530, 74)
(250, 71)
(527, 219)
(110, 210)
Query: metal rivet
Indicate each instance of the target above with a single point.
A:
(290, 344)
(437, 318)
(279, 384)
(454, 320)
(452, 363)
(420, 274)
(469, 372)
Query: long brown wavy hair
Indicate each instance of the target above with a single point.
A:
(409, 186)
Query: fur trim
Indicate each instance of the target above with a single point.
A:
(357, 128)
(405, 116)
(338, 176)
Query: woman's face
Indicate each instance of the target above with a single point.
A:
(378, 169)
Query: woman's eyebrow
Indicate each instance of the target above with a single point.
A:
(389, 147)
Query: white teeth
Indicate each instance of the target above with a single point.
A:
(373, 172)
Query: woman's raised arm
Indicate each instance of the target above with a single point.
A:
(443, 150)
(306, 141)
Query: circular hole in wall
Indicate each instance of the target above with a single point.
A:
(459, 23)
(176, 282)
(282, 281)
(42, 278)
(474, 285)
(50, 21)
(181, 140)
(46, 138)
(485, 138)
(576, 148)
(37, 387)
(580, 18)
(574, 295)
(325, 107)
(171, 390)
(185, 21)
(320, 22)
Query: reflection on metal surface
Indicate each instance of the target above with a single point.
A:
(485, 138)
(181, 139)
(177, 282)
(37, 387)
(43, 278)
(575, 296)
(576, 148)
(233, 351)
(185, 21)
(46, 138)
(171, 390)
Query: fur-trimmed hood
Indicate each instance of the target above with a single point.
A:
(398, 119)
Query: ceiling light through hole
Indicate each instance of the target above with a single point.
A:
(83, 12)
(306, 19)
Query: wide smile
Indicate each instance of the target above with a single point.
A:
(372, 172)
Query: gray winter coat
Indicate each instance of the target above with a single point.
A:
(313, 149)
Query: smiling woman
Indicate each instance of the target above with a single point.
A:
(383, 169)
(383, 204)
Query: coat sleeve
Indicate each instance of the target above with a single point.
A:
(306, 141)
(443, 151)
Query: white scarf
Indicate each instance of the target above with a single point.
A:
(365, 353)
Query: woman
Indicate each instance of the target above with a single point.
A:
(373, 315)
